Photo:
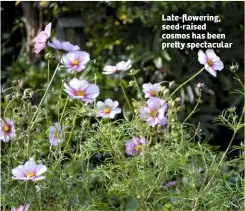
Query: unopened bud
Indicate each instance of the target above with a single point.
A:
(172, 103)
(166, 93)
(163, 88)
(178, 100)
(131, 83)
(180, 108)
(133, 72)
(48, 56)
(171, 84)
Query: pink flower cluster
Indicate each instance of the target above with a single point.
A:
(74, 60)
(153, 111)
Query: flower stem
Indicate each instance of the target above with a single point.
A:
(37, 201)
(194, 110)
(221, 160)
(35, 116)
(138, 88)
(47, 94)
(63, 111)
(125, 95)
(181, 85)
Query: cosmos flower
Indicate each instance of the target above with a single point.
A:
(55, 134)
(107, 109)
(170, 184)
(7, 131)
(154, 112)
(120, 66)
(82, 89)
(41, 39)
(135, 145)
(21, 208)
(29, 171)
(75, 61)
(210, 61)
(151, 90)
(63, 46)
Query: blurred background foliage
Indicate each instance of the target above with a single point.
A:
(115, 31)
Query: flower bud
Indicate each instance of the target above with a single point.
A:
(234, 68)
(166, 93)
(172, 103)
(163, 88)
(178, 100)
(180, 108)
(48, 56)
(133, 72)
(171, 84)
(131, 83)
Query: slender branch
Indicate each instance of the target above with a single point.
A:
(181, 85)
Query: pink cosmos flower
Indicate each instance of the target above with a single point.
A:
(210, 61)
(134, 146)
(29, 171)
(21, 208)
(75, 61)
(107, 109)
(55, 134)
(82, 89)
(170, 184)
(41, 39)
(154, 112)
(120, 66)
(151, 90)
(7, 131)
(63, 46)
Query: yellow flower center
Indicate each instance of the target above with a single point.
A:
(153, 93)
(153, 112)
(6, 128)
(75, 62)
(210, 62)
(57, 134)
(137, 147)
(80, 93)
(30, 174)
(107, 110)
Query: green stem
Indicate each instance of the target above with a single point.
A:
(238, 79)
(35, 194)
(73, 125)
(35, 116)
(181, 85)
(221, 160)
(5, 110)
(26, 186)
(47, 95)
(63, 111)
(138, 88)
(125, 95)
(194, 110)
(226, 151)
